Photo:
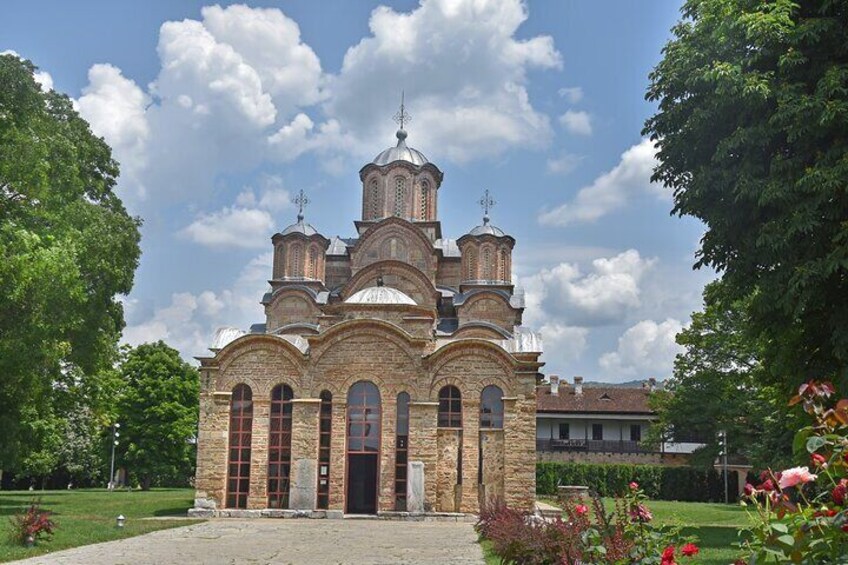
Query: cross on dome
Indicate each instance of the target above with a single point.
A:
(487, 203)
(402, 116)
(300, 201)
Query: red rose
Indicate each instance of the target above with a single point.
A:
(839, 492)
(818, 460)
(668, 553)
(581, 509)
(749, 489)
(634, 485)
(845, 527)
(689, 550)
(767, 485)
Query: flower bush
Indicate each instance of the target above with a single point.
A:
(32, 525)
(799, 514)
(587, 534)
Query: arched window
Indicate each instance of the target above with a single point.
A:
(425, 200)
(491, 407)
(279, 447)
(312, 271)
(375, 200)
(400, 196)
(471, 265)
(280, 262)
(401, 450)
(363, 418)
(450, 407)
(241, 428)
(325, 431)
(503, 266)
(487, 263)
(296, 260)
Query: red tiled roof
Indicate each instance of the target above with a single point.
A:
(595, 399)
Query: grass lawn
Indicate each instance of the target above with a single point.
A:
(88, 516)
(715, 526)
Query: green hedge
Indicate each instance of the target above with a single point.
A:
(658, 481)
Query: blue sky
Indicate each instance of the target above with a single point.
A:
(219, 113)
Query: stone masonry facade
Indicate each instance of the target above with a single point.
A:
(392, 372)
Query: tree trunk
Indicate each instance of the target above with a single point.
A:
(145, 482)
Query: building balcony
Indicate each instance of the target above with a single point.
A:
(593, 446)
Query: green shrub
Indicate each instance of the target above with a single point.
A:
(657, 481)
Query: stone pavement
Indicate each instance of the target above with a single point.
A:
(300, 541)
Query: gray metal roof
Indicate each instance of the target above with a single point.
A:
(401, 152)
(487, 229)
(337, 246)
(300, 227)
(380, 295)
(448, 247)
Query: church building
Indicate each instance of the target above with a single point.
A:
(392, 373)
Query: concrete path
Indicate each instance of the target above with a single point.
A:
(299, 541)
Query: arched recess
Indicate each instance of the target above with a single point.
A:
(364, 421)
(290, 305)
(420, 250)
(395, 274)
(449, 365)
(482, 330)
(238, 359)
(487, 306)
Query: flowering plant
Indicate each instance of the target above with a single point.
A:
(799, 513)
(32, 524)
(586, 533)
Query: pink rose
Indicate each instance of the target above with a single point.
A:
(795, 476)
(634, 485)
(581, 509)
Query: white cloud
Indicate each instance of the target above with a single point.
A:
(601, 297)
(576, 122)
(231, 227)
(189, 321)
(646, 349)
(563, 164)
(610, 191)
(115, 108)
(573, 94)
(464, 73)
(563, 344)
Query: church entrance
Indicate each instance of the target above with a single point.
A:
(363, 448)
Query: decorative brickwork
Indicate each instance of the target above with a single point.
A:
(327, 329)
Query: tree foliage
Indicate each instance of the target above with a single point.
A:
(68, 248)
(720, 383)
(752, 132)
(158, 413)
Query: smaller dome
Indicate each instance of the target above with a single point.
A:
(401, 152)
(487, 229)
(380, 295)
(300, 227)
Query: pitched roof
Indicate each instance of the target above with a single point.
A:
(594, 400)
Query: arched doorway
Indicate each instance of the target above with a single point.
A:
(363, 448)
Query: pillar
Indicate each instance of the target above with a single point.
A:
(257, 497)
(423, 420)
(211, 473)
(303, 491)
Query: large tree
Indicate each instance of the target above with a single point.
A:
(752, 131)
(158, 413)
(719, 383)
(68, 250)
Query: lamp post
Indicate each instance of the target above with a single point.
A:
(722, 442)
(115, 434)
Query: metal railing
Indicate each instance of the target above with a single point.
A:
(593, 445)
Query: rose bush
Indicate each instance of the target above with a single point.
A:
(586, 534)
(31, 525)
(799, 514)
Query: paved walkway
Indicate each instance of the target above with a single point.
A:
(298, 541)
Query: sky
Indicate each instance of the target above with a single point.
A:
(220, 113)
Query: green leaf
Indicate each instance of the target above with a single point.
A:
(815, 443)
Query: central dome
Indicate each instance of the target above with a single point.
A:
(380, 295)
(401, 152)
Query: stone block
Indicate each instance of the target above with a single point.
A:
(304, 479)
(415, 487)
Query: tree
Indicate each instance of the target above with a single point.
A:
(68, 249)
(719, 383)
(752, 136)
(158, 412)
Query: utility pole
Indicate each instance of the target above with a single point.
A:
(115, 434)
(722, 442)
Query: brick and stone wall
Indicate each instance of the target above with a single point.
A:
(672, 459)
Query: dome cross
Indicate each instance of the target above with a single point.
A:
(402, 117)
(301, 202)
(487, 203)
